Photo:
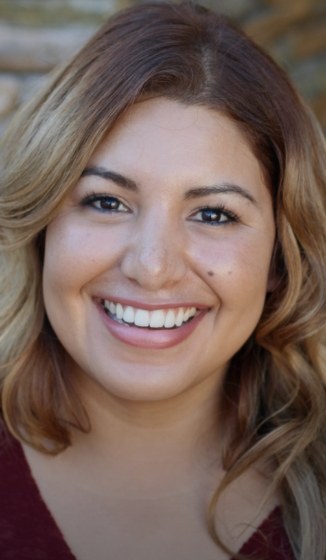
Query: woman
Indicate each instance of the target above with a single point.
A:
(163, 302)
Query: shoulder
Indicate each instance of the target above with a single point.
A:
(27, 530)
(13, 467)
(18, 494)
(270, 540)
(249, 517)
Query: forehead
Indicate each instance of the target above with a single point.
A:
(165, 118)
(178, 142)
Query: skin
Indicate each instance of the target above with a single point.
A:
(160, 251)
(154, 409)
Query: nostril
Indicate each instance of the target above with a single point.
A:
(153, 266)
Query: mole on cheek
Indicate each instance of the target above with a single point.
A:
(210, 273)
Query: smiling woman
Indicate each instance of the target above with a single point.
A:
(150, 250)
(163, 304)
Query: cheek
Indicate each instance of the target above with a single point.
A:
(237, 267)
(70, 262)
(75, 253)
(62, 262)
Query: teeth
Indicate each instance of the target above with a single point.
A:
(119, 311)
(112, 308)
(129, 314)
(186, 314)
(180, 317)
(141, 318)
(157, 319)
(169, 319)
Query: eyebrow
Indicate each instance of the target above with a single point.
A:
(195, 192)
(120, 180)
(221, 189)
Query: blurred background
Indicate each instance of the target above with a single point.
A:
(37, 35)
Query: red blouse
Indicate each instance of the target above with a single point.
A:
(28, 531)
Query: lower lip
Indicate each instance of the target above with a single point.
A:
(150, 338)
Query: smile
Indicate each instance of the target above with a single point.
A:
(154, 319)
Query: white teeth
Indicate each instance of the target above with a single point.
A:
(129, 314)
(186, 314)
(157, 319)
(142, 318)
(119, 311)
(112, 308)
(169, 319)
(180, 317)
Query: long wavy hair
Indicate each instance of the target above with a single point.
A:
(274, 393)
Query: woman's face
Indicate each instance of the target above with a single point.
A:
(158, 263)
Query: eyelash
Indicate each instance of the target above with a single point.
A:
(231, 218)
(93, 198)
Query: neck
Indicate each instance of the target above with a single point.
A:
(176, 431)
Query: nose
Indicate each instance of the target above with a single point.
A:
(155, 256)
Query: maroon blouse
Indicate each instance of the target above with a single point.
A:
(28, 531)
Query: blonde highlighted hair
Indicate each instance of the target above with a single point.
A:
(274, 393)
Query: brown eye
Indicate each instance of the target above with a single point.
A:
(215, 216)
(104, 203)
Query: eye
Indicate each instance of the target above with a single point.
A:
(104, 203)
(217, 215)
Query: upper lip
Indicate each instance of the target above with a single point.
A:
(151, 306)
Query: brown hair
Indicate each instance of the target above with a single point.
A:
(274, 394)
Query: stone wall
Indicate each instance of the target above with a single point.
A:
(36, 35)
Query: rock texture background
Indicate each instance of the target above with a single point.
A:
(37, 35)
